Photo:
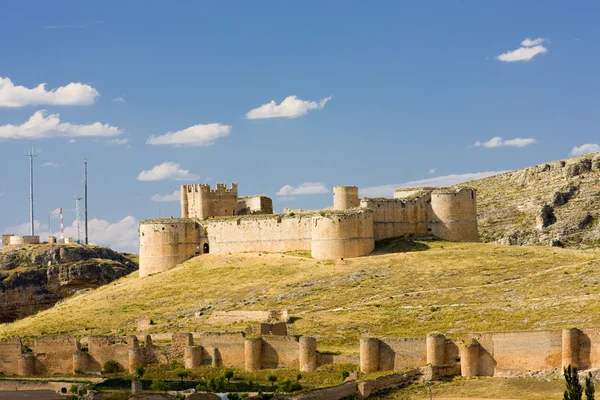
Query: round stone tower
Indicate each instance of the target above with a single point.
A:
(165, 243)
(338, 234)
(345, 197)
(453, 214)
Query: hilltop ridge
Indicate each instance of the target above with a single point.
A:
(554, 203)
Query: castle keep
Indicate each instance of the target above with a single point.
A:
(217, 221)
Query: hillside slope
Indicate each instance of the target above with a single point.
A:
(34, 277)
(407, 289)
(558, 200)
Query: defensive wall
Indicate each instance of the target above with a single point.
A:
(486, 354)
(217, 221)
(15, 240)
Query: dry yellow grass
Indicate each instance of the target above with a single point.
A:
(407, 289)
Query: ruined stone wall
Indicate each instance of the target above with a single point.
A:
(6, 239)
(505, 354)
(222, 349)
(165, 243)
(453, 214)
(11, 350)
(279, 352)
(260, 204)
(13, 240)
(199, 201)
(395, 354)
(259, 233)
(342, 234)
(397, 217)
(104, 348)
(54, 354)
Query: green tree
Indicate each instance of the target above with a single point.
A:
(272, 379)
(74, 388)
(111, 367)
(298, 377)
(159, 385)
(139, 371)
(183, 373)
(228, 374)
(589, 387)
(216, 384)
(574, 390)
(233, 396)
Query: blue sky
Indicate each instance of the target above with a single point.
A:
(386, 93)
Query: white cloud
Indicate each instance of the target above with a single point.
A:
(166, 170)
(55, 213)
(499, 142)
(197, 135)
(50, 164)
(121, 236)
(585, 149)
(438, 181)
(72, 94)
(433, 170)
(305, 188)
(119, 99)
(529, 49)
(119, 141)
(290, 107)
(42, 125)
(176, 196)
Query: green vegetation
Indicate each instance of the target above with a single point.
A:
(111, 367)
(481, 388)
(455, 288)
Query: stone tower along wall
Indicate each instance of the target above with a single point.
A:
(340, 235)
(453, 214)
(199, 201)
(255, 205)
(166, 244)
(345, 197)
(397, 217)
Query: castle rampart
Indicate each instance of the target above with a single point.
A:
(14, 240)
(398, 217)
(260, 204)
(199, 201)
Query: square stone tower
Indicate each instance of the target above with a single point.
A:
(199, 201)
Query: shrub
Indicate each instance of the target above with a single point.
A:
(111, 367)
(74, 388)
(345, 374)
(287, 386)
(298, 377)
(272, 379)
(243, 395)
(159, 385)
(184, 373)
(216, 384)
(589, 387)
(574, 390)
(233, 396)
(228, 374)
(139, 371)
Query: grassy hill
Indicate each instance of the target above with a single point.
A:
(558, 200)
(406, 289)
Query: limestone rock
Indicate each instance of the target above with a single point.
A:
(35, 277)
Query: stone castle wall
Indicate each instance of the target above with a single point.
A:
(342, 234)
(397, 217)
(254, 205)
(486, 354)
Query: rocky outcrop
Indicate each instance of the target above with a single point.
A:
(35, 277)
(556, 201)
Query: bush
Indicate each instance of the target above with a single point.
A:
(139, 371)
(184, 373)
(216, 384)
(345, 374)
(159, 385)
(287, 386)
(74, 388)
(272, 379)
(228, 374)
(111, 367)
(233, 396)
(243, 395)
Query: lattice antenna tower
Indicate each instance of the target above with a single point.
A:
(78, 217)
(31, 154)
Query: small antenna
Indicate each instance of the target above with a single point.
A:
(78, 217)
(31, 154)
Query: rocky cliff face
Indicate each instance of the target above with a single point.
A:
(557, 203)
(35, 277)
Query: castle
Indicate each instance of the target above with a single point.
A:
(218, 221)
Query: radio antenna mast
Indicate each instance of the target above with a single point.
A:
(31, 154)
